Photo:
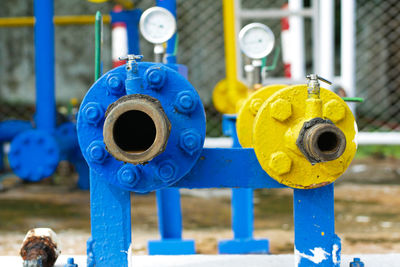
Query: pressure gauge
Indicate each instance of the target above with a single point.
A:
(157, 25)
(256, 40)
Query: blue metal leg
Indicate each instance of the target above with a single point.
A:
(110, 212)
(314, 223)
(170, 225)
(242, 225)
(82, 169)
(242, 210)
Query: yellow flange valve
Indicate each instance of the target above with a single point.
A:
(226, 99)
(304, 136)
(248, 112)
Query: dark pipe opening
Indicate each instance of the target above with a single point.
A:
(328, 142)
(134, 131)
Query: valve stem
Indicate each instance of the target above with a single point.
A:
(131, 61)
(313, 85)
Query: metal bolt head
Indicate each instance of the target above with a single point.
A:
(115, 85)
(93, 113)
(127, 175)
(190, 141)
(281, 110)
(96, 152)
(334, 110)
(166, 171)
(255, 105)
(280, 163)
(186, 102)
(155, 77)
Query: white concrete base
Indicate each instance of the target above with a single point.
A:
(381, 260)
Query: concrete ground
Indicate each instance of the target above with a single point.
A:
(284, 260)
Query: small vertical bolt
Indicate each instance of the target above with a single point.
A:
(127, 175)
(155, 77)
(190, 141)
(93, 113)
(96, 152)
(166, 171)
(71, 263)
(186, 102)
(356, 263)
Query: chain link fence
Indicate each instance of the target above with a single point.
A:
(378, 65)
(201, 48)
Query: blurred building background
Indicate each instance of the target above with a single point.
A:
(201, 48)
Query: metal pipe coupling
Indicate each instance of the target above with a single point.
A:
(136, 128)
(321, 141)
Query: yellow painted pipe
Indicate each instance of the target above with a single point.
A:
(230, 44)
(58, 20)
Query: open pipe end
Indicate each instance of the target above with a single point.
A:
(136, 128)
(321, 141)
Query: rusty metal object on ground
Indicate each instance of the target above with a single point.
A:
(40, 248)
(136, 128)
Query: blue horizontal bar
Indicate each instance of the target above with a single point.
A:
(227, 167)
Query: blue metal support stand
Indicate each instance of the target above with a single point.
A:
(111, 224)
(183, 164)
(314, 223)
(242, 210)
(168, 200)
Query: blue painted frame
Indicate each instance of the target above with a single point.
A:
(315, 241)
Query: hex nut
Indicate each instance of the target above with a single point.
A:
(255, 105)
(186, 102)
(115, 85)
(127, 175)
(280, 163)
(334, 110)
(155, 77)
(93, 113)
(166, 171)
(190, 141)
(96, 152)
(281, 109)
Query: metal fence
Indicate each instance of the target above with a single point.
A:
(200, 28)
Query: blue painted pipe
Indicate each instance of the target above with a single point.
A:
(170, 5)
(8, 130)
(169, 220)
(11, 128)
(45, 117)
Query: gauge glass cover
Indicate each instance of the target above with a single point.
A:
(157, 25)
(256, 40)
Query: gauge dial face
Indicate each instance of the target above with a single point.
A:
(157, 25)
(256, 40)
